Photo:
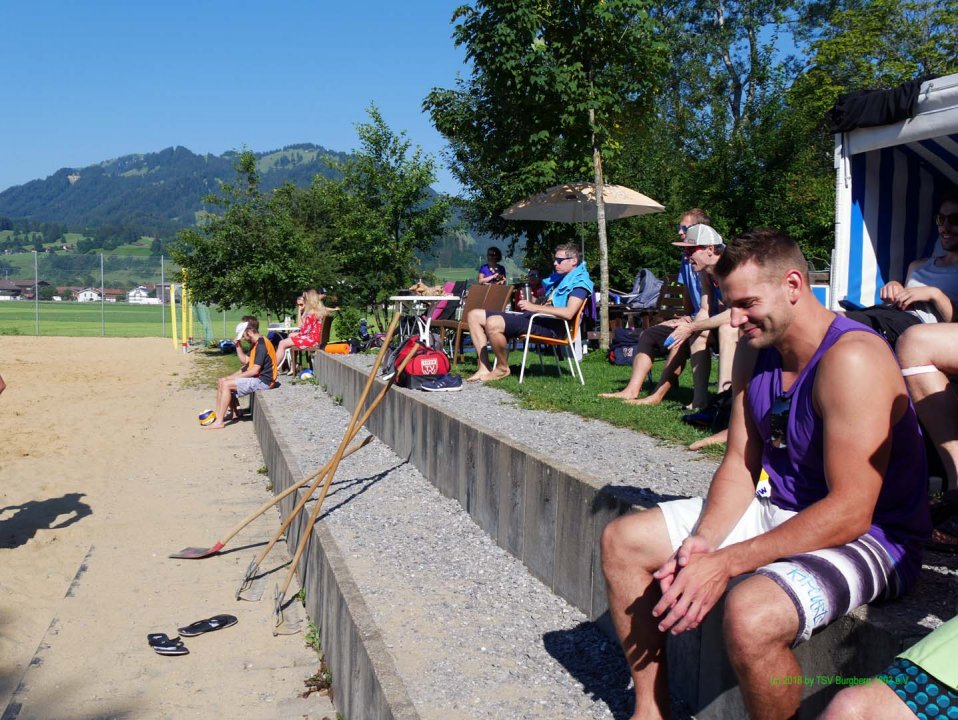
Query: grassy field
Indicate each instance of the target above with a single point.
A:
(84, 319)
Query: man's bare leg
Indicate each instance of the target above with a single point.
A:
(759, 626)
(224, 395)
(633, 547)
(701, 361)
(872, 701)
(920, 347)
(477, 328)
(720, 437)
(640, 370)
(728, 344)
(674, 365)
(495, 328)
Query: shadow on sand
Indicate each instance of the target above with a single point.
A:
(35, 515)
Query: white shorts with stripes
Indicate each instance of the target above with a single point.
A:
(823, 585)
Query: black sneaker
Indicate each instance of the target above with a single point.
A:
(443, 383)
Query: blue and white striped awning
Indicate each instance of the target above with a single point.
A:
(888, 178)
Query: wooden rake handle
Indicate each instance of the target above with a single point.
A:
(352, 429)
(287, 492)
(329, 479)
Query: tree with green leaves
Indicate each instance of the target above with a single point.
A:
(375, 218)
(550, 81)
(249, 254)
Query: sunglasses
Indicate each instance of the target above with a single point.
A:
(682, 228)
(778, 421)
(950, 218)
(558, 260)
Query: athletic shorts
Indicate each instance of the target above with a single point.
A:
(885, 319)
(518, 323)
(924, 694)
(823, 585)
(249, 385)
(656, 335)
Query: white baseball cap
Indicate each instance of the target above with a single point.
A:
(699, 236)
(240, 329)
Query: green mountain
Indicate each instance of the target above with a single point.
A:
(156, 193)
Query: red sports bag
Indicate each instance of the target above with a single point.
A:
(426, 364)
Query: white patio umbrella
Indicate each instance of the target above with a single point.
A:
(575, 203)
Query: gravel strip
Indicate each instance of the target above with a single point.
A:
(473, 634)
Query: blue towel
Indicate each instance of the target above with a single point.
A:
(558, 287)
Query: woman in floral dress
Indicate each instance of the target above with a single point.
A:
(311, 314)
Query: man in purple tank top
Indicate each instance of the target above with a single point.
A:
(820, 504)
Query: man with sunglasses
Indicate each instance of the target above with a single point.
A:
(819, 505)
(931, 284)
(702, 247)
(565, 290)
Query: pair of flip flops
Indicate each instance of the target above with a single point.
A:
(162, 644)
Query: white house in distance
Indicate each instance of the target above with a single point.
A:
(88, 295)
(141, 296)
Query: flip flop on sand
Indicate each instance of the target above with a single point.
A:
(163, 645)
(217, 622)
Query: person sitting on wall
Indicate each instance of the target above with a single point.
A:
(819, 505)
(931, 284)
(492, 273)
(311, 313)
(566, 290)
(257, 373)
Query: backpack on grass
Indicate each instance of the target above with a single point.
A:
(624, 345)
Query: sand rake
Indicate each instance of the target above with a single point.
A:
(197, 553)
(251, 590)
(281, 626)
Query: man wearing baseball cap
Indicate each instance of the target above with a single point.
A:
(258, 371)
(683, 336)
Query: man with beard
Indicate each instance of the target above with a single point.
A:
(819, 505)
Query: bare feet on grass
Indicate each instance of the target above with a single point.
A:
(480, 376)
(647, 400)
(499, 373)
(621, 395)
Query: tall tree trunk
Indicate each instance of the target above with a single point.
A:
(603, 240)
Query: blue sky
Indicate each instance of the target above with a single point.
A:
(86, 82)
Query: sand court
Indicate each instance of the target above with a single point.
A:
(105, 472)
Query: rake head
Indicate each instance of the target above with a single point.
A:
(252, 585)
(286, 620)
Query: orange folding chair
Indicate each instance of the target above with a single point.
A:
(569, 342)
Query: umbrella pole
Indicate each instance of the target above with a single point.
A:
(603, 239)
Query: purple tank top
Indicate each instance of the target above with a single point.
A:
(901, 521)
